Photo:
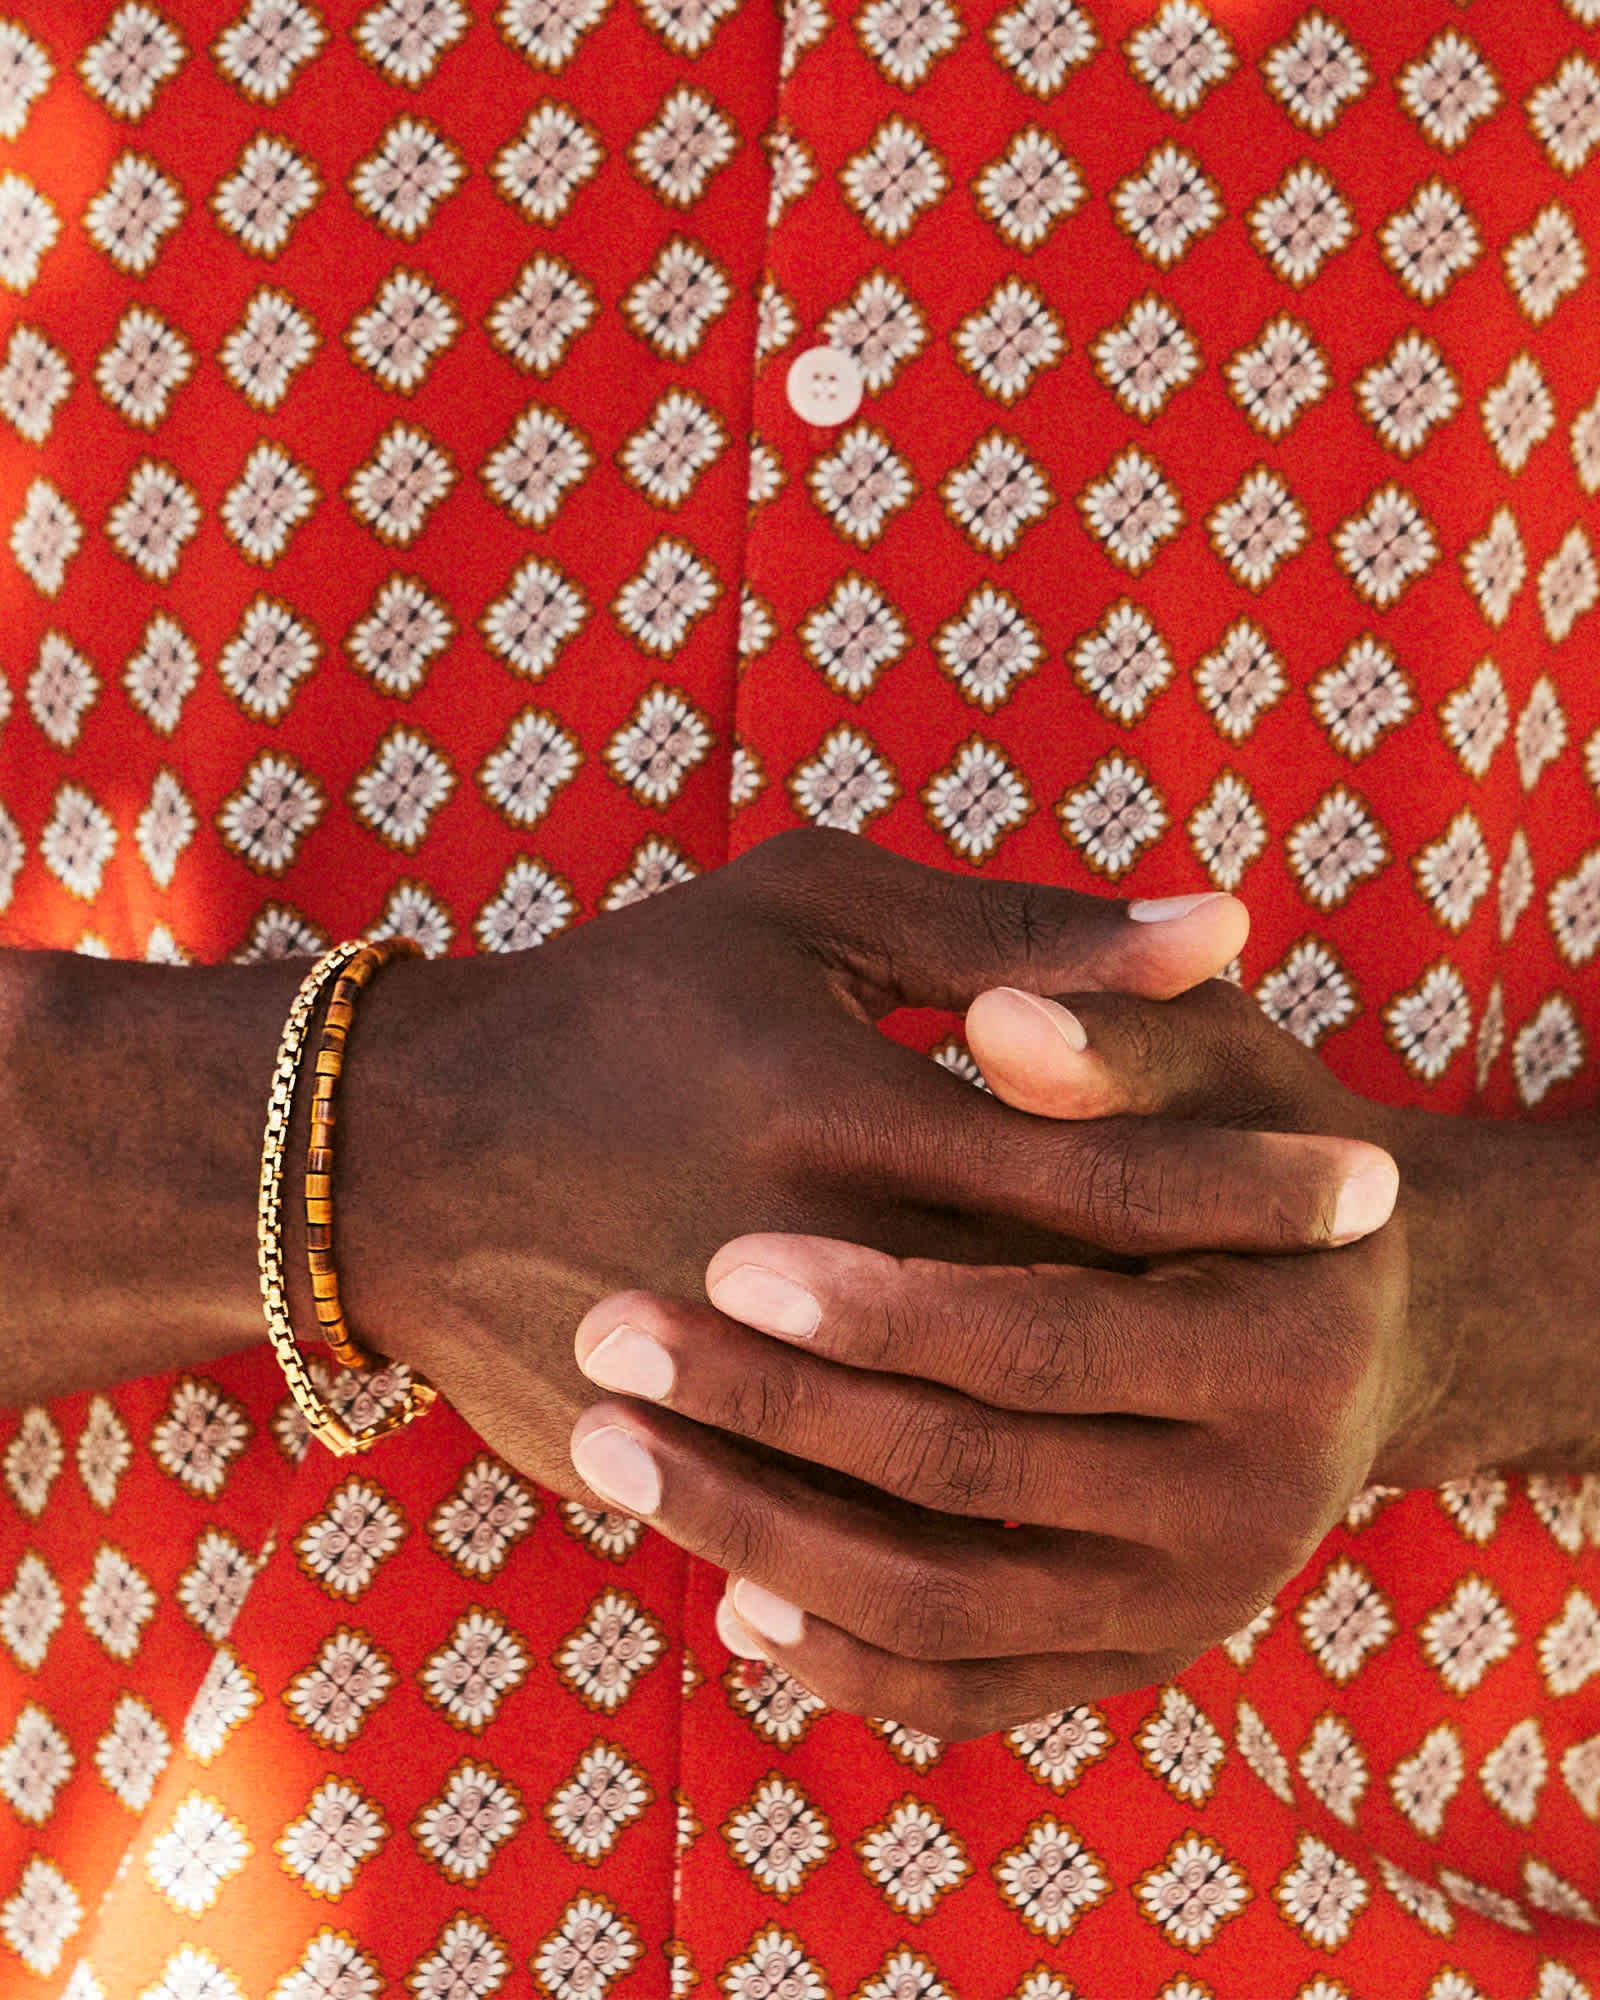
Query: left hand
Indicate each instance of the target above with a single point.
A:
(1169, 1447)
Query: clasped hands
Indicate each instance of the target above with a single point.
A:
(966, 1494)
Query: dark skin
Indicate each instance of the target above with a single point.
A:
(520, 1136)
(1173, 1444)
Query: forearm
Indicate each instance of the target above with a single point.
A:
(1505, 1242)
(131, 1107)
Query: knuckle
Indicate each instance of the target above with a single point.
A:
(961, 1457)
(744, 1541)
(932, 1614)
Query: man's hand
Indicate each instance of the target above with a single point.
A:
(1168, 1447)
(521, 1138)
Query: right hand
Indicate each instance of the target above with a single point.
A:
(521, 1136)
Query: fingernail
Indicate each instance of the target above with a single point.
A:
(1366, 1201)
(767, 1302)
(736, 1635)
(619, 1468)
(1168, 909)
(1066, 1024)
(633, 1364)
(775, 1618)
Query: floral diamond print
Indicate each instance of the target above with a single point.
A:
(881, 329)
(915, 1746)
(1518, 413)
(1179, 1745)
(1227, 831)
(1124, 663)
(1431, 1022)
(202, 1849)
(1574, 906)
(1361, 698)
(1547, 1050)
(531, 623)
(29, 229)
(854, 637)
(1057, 1748)
(1041, 42)
(130, 219)
(1050, 1879)
(79, 839)
(1168, 205)
(266, 195)
(1334, 1769)
(42, 1914)
(990, 645)
(35, 380)
(202, 1433)
(476, 1812)
(894, 180)
(1009, 340)
(104, 1452)
(407, 39)
(1148, 355)
(267, 658)
(1132, 511)
(666, 457)
(132, 1753)
(1180, 57)
(845, 785)
(977, 799)
(1114, 816)
(227, 1696)
(31, 1613)
(165, 828)
(1449, 90)
(1344, 1621)
(678, 300)
(45, 537)
(1240, 680)
(905, 38)
(657, 865)
(324, 1849)
(779, 1837)
(1454, 873)
(265, 49)
(1565, 114)
(144, 366)
(399, 486)
(1280, 377)
(25, 73)
(687, 26)
(357, 1531)
(549, 36)
(400, 790)
(467, 1963)
(603, 1658)
(661, 603)
(154, 520)
(1430, 243)
(685, 144)
(401, 636)
(604, 1796)
(535, 760)
(1301, 224)
(1409, 394)
(470, 1675)
(1257, 530)
(594, 1946)
(913, 1859)
(536, 322)
(542, 169)
(35, 1763)
(1322, 1895)
(861, 484)
(1030, 188)
(1317, 74)
(1569, 586)
(775, 1705)
(996, 493)
(403, 182)
(333, 1696)
(1496, 567)
(61, 690)
(1386, 547)
(1335, 848)
(530, 905)
(403, 332)
(212, 1590)
(267, 502)
(1193, 1893)
(268, 348)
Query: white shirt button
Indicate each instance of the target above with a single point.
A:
(824, 386)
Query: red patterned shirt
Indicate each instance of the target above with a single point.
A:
(415, 525)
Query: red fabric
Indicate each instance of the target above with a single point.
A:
(1392, 1786)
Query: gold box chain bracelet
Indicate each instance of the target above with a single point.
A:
(324, 1422)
